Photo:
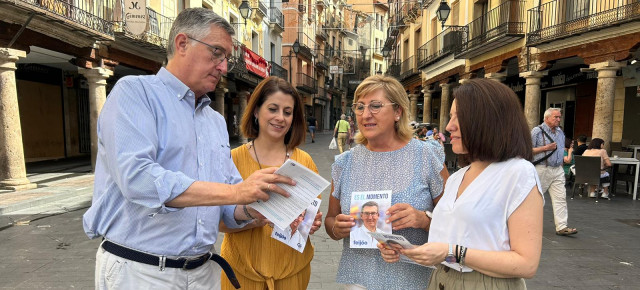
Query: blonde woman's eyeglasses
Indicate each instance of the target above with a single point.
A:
(374, 107)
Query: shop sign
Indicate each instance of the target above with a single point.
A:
(135, 12)
(255, 63)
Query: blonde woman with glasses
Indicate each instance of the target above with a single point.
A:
(390, 159)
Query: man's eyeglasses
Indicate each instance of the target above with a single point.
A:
(374, 107)
(369, 213)
(218, 55)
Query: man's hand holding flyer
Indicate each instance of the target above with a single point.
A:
(282, 211)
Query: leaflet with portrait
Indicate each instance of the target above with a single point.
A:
(297, 233)
(282, 211)
(368, 210)
(397, 242)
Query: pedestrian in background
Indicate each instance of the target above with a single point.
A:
(596, 148)
(548, 153)
(274, 120)
(341, 131)
(164, 178)
(486, 231)
(312, 124)
(389, 159)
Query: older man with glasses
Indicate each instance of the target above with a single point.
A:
(164, 176)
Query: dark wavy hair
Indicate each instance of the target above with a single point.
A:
(492, 122)
(271, 85)
(596, 143)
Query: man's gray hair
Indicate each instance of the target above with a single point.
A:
(548, 112)
(196, 23)
(370, 203)
(343, 116)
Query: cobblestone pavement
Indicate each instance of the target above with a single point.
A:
(43, 245)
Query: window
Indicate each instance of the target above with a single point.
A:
(577, 9)
(350, 42)
(455, 13)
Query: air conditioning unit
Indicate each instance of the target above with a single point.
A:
(451, 40)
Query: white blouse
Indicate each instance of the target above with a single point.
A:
(478, 219)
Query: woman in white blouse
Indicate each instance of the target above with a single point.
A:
(486, 231)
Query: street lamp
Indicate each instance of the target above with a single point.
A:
(295, 49)
(385, 51)
(245, 10)
(443, 12)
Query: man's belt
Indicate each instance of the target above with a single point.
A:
(183, 263)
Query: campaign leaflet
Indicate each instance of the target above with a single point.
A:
(368, 209)
(397, 242)
(282, 211)
(297, 233)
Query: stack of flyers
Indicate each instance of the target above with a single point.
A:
(396, 242)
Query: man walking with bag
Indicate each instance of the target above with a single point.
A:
(548, 145)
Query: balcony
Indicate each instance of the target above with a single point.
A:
(564, 18)
(153, 38)
(306, 45)
(322, 94)
(498, 27)
(321, 61)
(411, 11)
(321, 32)
(447, 42)
(81, 16)
(259, 7)
(408, 68)
(394, 69)
(278, 71)
(276, 19)
(306, 83)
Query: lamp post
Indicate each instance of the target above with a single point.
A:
(385, 51)
(245, 10)
(295, 49)
(443, 12)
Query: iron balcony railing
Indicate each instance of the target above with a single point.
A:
(563, 18)
(306, 44)
(93, 15)
(321, 61)
(279, 71)
(238, 54)
(408, 67)
(445, 43)
(157, 32)
(322, 32)
(394, 69)
(262, 8)
(275, 17)
(322, 93)
(306, 83)
(499, 26)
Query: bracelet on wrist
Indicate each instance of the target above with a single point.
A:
(333, 230)
(246, 212)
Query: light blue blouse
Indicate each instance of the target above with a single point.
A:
(412, 173)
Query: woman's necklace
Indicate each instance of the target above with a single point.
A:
(253, 144)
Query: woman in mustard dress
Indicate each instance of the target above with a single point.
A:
(274, 120)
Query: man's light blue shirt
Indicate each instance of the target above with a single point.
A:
(557, 158)
(154, 141)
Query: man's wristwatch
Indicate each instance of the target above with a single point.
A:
(429, 214)
(450, 258)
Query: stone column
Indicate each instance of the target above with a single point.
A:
(97, 79)
(219, 95)
(444, 106)
(13, 173)
(498, 77)
(413, 109)
(532, 97)
(605, 96)
(426, 106)
(244, 96)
